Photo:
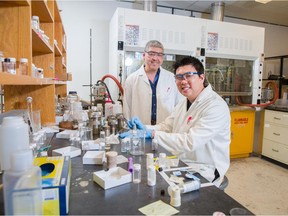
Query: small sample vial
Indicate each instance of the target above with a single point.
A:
(162, 160)
(102, 141)
(151, 176)
(136, 173)
(149, 160)
(154, 144)
(23, 66)
(125, 145)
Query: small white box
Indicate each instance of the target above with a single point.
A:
(113, 177)
(67, 151)
(93, 157)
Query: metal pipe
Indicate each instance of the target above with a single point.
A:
(150, 5)
(217, 11)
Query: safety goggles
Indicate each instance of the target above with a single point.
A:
(153, 54)
(186, 76)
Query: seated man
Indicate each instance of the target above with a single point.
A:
(198, 130)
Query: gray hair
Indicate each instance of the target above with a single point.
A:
(154, 43)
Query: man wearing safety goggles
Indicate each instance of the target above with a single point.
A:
(150, 93)
(198, 130)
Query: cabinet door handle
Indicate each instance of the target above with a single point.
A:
(275, 150)
(277, 118)
(276, 134)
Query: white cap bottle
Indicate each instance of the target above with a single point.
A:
(22, 185)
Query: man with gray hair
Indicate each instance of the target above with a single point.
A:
(151, 93)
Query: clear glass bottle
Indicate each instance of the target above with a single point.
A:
(136, 147)
(136, 173)
(22, 185)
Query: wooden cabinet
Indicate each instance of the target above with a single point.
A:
(242, 132)
(20, 39)
(275, 136)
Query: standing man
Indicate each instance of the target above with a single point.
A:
(150, 93)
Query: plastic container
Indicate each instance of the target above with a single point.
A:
(14, 135)
(149, 160)
(22, 186)
(23, 66)
(190, 186)
(136, 173)
(151, 176)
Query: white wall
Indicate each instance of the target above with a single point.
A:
(81, 16)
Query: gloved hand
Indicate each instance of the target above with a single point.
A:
(129, 134)
(136, 121)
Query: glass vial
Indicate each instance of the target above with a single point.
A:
(136, 173)
(102, 142)
(9, 65)
(151, 176)
(162, 160)
(23, 66)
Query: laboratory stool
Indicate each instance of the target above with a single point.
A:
(224, 183)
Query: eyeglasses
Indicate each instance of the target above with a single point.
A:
(186, 76)
(153, 54)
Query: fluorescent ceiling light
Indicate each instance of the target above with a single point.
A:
(263, 1)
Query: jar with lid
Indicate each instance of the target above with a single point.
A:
(9, 65)
(23, 66)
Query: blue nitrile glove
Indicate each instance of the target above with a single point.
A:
(136, 121)
(127, 134)
(148, 134)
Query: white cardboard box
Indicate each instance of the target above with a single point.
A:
(113, 177)
(93, 157)
(67, 151)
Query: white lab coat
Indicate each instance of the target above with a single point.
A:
(137, 100)
(201, 134)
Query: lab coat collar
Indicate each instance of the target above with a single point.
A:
(204, 94)
(143, 75)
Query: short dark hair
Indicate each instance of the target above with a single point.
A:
(190, 60)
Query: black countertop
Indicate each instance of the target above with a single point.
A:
(87, 197)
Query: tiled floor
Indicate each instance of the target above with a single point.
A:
(259, 185)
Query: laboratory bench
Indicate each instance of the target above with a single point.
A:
(87, 197)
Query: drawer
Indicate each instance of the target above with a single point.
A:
(275, 151)
(276, 117)
(276, 133)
